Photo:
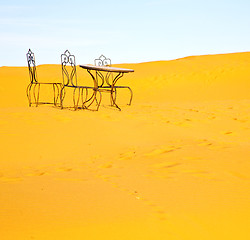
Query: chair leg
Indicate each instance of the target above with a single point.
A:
(38, 94)
(28, 93)
(90, 99)
(62, 96)
(76, 102)
(113, 96)
(54, 93)
(98, 104)
(83, 101)
(78, 97)
(58, 92)
(86, 96)
(131, 96)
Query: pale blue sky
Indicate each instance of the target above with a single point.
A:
(128, 31)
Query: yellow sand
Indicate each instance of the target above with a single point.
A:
(174, 165)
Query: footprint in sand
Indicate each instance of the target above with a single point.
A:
(210, 145)
(211, 118)
(159, 212)
(193, 110)
(127, 155)
(38, 173)
(240, 120)
(106, 165)
(204, 142)
(162, 150)
(64, 169)
(227, 133)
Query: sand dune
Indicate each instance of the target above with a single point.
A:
(174, 165)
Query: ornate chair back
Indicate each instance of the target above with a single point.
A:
(103, 61)
(32, 66)
(69, 69)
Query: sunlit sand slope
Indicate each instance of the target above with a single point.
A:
(212, 77)
(174, 165)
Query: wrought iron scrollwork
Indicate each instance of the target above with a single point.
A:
(32, 66)
(69, 75)
(103, 61)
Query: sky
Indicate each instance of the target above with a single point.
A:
(129, 31)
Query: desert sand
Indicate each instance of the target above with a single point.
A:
(174, 165)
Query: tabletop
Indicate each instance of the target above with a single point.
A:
(106, 69)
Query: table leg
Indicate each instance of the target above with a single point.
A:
(94, 79)
(99, 74)
(95, 88)
(113, 89)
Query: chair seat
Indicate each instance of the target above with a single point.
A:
(80, 87)
(113, 86)
(47, 83)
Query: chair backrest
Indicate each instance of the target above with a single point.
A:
(68, 69)
(32, 66)
(103, 61)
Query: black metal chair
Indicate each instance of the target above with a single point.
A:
(70, 80)
(105, 82)
(35, 84)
